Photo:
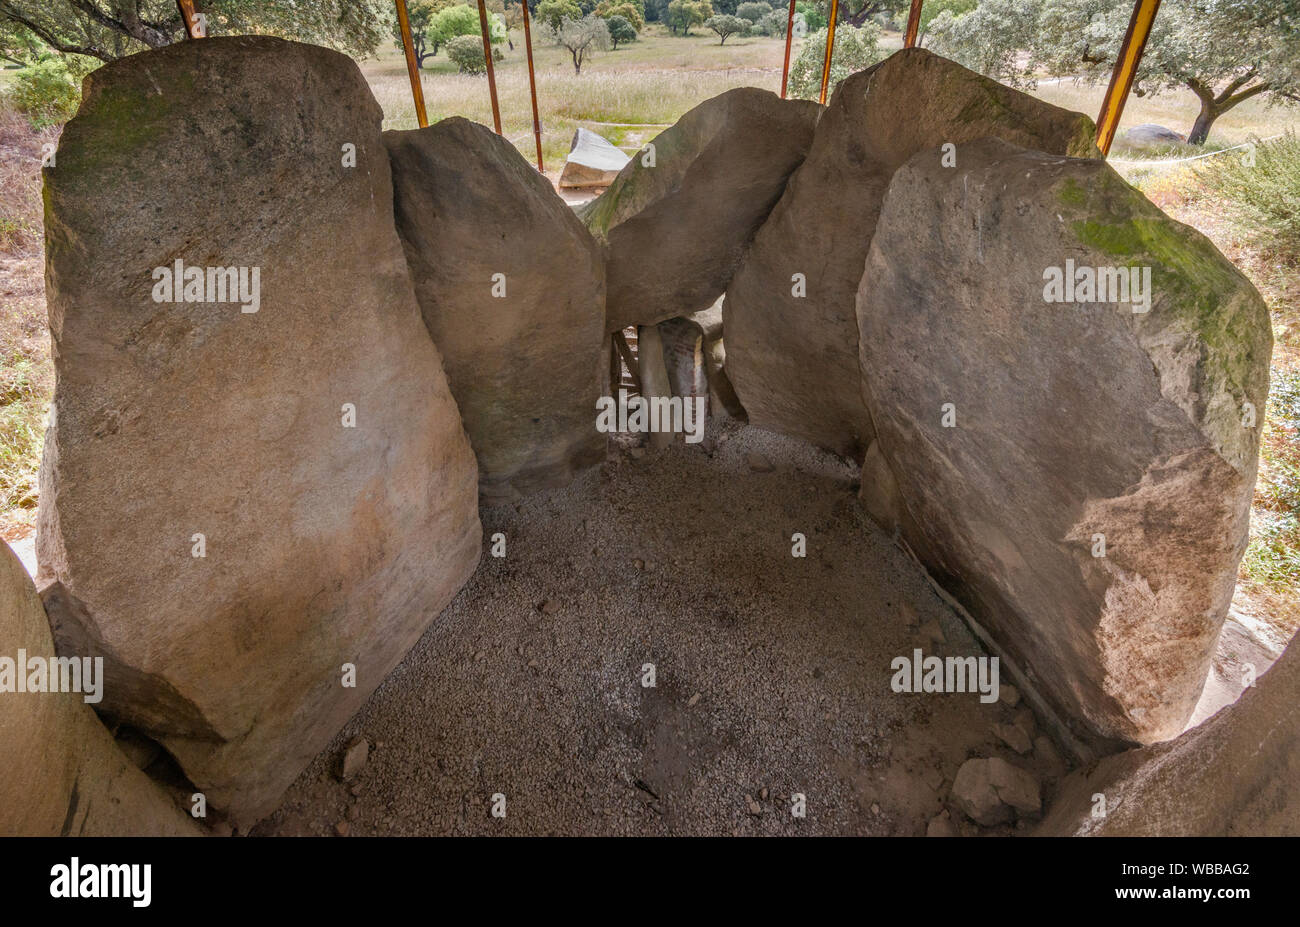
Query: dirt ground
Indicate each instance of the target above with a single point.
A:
(772, 672)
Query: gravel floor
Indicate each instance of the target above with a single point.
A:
(772, 672)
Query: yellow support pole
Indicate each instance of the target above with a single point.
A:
(187, 16)
(412, 66)
(1126, 65)
(913, 24)
(830, 49)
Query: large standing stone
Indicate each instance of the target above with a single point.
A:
(792, 341)
(1078, 474)
(1234, 776)
(234, 505)
(512, 289)
(675, 228)
(63, 776)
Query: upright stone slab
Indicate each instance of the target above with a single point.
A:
(238, 505)
(1078, 473)
(792, 339)
(1233, 776)
(512, 289)
(64, 776)
(678, 217)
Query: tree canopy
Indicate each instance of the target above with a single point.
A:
(634, 14)
(554, 12)
(727, 26)
(110, 29)
(1224, 51)
(855, 49)
(582, 37)
(620, 31)
(682, 14)
(421, 14)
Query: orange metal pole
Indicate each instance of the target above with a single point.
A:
(830, 48)
(913, 24)
(532, 85)
(487, 56)
(789, 37)
(1126, 66)
(187, 16)
(412, 66)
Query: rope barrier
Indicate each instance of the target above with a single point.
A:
(1209, 154)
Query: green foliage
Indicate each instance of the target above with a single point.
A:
(421, 14)
(727, 26)
(991, 38)
(454, 21)
(23, 400)
(466, 52)
(683, 14)
(582, 37)
(932, 9)
(110, 30)
(634, 14)
(620, 31)
(554, 12)
(813, 17)
(48, 91)
(753, 11)
(773, 23)
(1224, 51)
(1264, 196)
(1273, 557)
(18, 45)
(855, 49)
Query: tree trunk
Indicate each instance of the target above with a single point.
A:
(1204, 120)
(1212, 107)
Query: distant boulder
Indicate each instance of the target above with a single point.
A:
(592, 162)
(1150, 135)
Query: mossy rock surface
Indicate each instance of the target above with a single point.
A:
(1076, 467)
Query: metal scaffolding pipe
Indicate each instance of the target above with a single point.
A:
(491, 74)
(913, 24)
(789, 37)
(187, 17)
(830, 49)
(532, 85)
(1126, 66)
(412, 66)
